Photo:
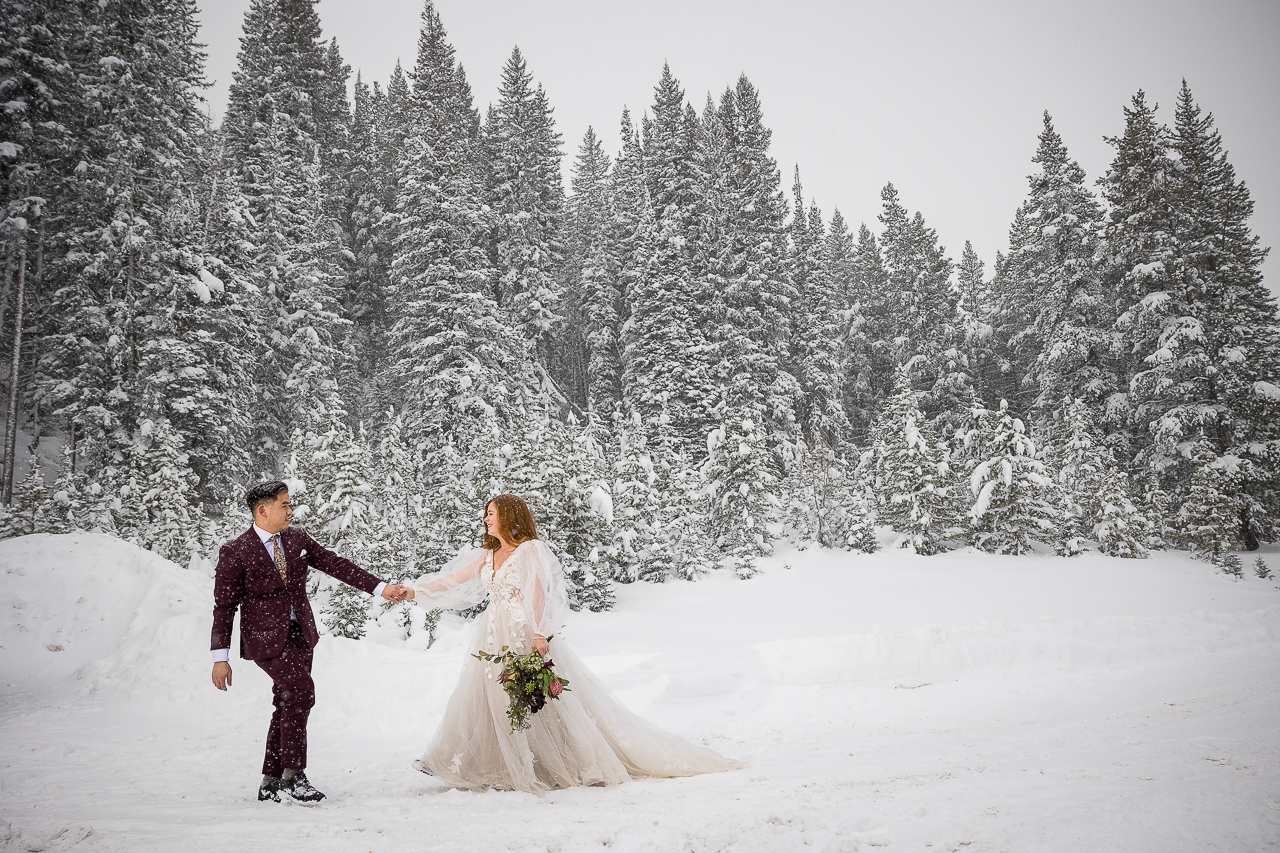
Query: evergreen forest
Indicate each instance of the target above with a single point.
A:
(404, 304)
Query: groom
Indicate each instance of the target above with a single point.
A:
(265, 571)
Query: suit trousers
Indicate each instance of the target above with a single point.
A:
(293, 694)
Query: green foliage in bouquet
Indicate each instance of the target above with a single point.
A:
(528, 681)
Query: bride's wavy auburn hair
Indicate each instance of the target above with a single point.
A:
(515, 522)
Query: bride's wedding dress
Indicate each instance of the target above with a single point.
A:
(586, 737)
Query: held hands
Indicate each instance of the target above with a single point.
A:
(397, 593)
(222, 675)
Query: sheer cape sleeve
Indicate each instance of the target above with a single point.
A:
(456, 586)
(546, 602)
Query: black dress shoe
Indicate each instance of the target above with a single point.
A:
(269, 789)
(300, 790)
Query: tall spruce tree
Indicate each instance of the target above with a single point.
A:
(454, 363)
(661, 327)
(751, 273)
(922, 309)
(1218, 362)
(134, 336)
(815, 314)
(869, 338)
(1053, 311)
(593, 270)
(1138, 233)
(975, 317)
(1199, 327)
(526, 200)
(280, 115)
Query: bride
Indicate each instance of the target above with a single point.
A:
(586, 736)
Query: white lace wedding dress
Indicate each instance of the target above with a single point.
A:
(586, 737)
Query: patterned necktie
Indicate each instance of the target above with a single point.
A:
(279, 555)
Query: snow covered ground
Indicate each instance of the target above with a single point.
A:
(962, 702)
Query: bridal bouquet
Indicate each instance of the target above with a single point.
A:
(528, 681)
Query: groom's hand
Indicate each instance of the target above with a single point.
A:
(222, 675)
(397, 593)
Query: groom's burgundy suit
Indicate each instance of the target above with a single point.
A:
(248, 578)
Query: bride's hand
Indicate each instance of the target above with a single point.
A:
(540, 646)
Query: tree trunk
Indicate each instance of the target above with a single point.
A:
(11, 418)
(1246, 531)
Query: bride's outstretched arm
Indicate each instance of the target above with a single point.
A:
(545, 600)
(455, 587)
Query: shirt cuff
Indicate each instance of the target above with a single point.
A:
(223, 655)
(377, 590)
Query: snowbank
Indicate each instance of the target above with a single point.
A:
(962, 701)
(99, 610)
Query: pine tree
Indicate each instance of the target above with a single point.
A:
(364, 295)
(1012, 490)
(524, 193)
(1138, 233)
(1208, 519)
(1219, 355)
(1092, 491)
(594, 269)
(64, 505)
(454, 363)
(751, 275)
(1231, 565)
(681, 524)
(1053, 311)
(636, 507)
(41, 140)
(1200, 327)
(1158, 508)
(922, 308)
(825, 503)
(869, 340)
(282, 128)
(816, 347)
(166, 522)
(559, 471)
(27, 513)
(975, 318)
(139, 327)
(339, 512)
(742, 487)
(907, 470)
(396, 505)
(664, 355)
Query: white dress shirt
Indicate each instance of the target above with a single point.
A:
(225, 654)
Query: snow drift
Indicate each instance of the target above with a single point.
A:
(962, 701)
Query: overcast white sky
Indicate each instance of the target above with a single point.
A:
(944, 99)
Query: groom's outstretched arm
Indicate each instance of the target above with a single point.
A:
(339, 567)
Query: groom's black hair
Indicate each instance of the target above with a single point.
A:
(264, 492)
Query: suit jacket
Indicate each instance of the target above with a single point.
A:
(247, 577)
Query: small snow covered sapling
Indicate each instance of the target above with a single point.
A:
(1261, 569)
(1231, 565)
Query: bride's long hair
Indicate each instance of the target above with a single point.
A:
(515, 522)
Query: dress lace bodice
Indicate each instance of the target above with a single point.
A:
(504, 584)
